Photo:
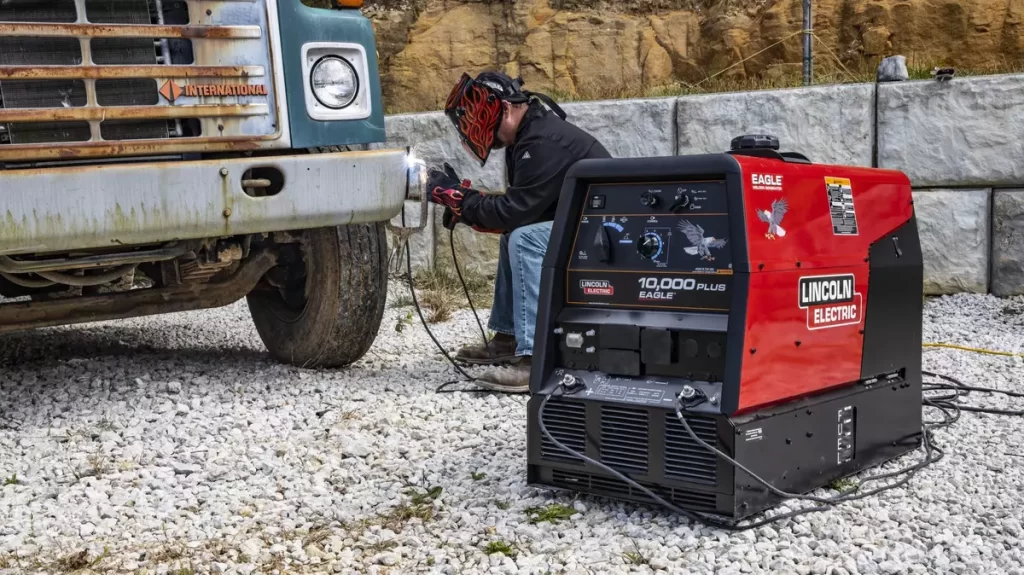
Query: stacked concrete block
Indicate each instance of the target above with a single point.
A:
(964, 132)
(629, 128)
(828, 124)
(1008, 242)
(955, 228)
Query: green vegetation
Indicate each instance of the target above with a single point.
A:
(552, 513)
(500, 547)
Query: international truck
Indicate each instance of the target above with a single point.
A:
(159, 156)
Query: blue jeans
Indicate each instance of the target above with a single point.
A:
(517, 285)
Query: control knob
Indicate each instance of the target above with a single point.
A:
(649, 246)
(682, 203)
(649, 199)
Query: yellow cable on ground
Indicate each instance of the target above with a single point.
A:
(973, 349)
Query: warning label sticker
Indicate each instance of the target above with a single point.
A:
(840, 202)
(830, 301)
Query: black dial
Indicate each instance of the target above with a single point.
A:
(649, 199)
(649, 246)
(682, 203)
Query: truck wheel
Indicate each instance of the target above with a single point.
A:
(329, 299)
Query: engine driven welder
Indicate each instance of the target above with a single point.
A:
(710, 325)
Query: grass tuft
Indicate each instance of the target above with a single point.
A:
(420, 506)
(842, 484)
(634, 557)
(441, 292)
(551, 513)
(500, 547)
(78, 561)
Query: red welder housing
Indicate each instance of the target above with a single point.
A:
(802, 350)
(775, 300)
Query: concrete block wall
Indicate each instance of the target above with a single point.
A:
(960, 142)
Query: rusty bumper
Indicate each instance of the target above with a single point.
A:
(76, 208)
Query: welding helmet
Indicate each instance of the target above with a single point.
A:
(475, 107)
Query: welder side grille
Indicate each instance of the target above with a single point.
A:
(566, 421)
(613, 487)
(624, 438)
(685, 459)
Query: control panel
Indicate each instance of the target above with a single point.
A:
(653, 246)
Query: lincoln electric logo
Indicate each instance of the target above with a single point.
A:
(171, 90)
(830, 301)
(768, 182)
(597, 287)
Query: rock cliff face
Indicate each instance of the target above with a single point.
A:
(595, 49)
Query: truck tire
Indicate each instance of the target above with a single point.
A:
(330, 313)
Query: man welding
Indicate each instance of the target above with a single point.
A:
(493, 112)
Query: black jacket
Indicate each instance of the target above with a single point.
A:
(545, 148)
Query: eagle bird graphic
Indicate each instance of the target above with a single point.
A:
(699, 244)
(773, 218)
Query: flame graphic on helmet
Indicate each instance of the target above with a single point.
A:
(476, 112)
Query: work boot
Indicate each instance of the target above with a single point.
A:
(501, 349)
(511, 379)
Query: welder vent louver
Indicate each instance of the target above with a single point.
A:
(624, 438)
(685, 459)
(566, 421)
(613, 487)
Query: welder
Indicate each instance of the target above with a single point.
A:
(493, 112)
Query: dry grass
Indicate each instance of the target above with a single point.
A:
(440, 292)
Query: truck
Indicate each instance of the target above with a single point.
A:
(161, 156)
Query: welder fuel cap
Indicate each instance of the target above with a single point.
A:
(755, 141)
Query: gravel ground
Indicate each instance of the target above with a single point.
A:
(173, 445)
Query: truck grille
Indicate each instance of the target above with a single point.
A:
(86, 78)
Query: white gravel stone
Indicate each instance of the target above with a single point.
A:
(310, 471)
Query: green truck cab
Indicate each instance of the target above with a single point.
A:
(167, 155)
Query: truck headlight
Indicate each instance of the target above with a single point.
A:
(334, 82)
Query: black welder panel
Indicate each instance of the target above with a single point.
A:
(892, 324)
(619, 337)
(619, 362)
(656, 346)
(802, 448)
(656, 291)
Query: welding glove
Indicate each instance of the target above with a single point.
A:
(447, 189)
(444, 179)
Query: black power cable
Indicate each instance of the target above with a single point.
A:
(961, 390)
(465, 289)
(443, 388)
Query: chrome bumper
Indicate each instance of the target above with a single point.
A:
(72, 208)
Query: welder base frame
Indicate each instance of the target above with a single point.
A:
(796, 447)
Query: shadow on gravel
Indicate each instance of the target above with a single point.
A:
(93, 343)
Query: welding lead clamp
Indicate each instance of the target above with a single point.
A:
(571, 384)
(690, 397)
